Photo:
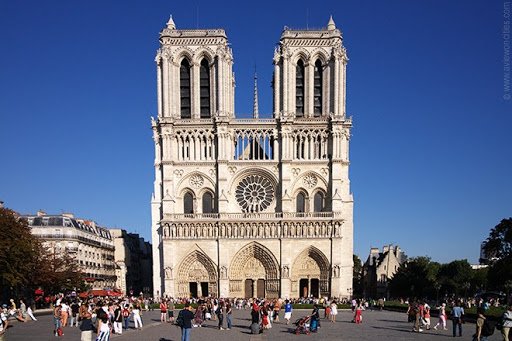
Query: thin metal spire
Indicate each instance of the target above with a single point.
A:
(255, 113)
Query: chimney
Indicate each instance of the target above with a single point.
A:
(41, 213)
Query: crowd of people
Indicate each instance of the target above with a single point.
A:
(112, 315)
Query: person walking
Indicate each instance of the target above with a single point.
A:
(118, 319)
(103, 329)
(334, 311)
(163, 311)
(507, 323)
(220, 314)
(457, 317)
(442, 317)
(288, 311)
(184, 321)
(229, 317)
(170, 311)
(57, 315)
(3, 322)
(479, 336)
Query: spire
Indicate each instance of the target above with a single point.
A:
(170, 24)
(331, 26)
(255, 113)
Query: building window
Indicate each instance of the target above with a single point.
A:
(319, 202)
(204, 84)
(208, 203)
(185, 89)
(318, 89)
(188, 203)
(301, 202)
(299, 89)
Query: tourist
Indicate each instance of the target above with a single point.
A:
(86, 325)
(31, 313)
(358, 316)
(163, 311)
(137, 320)
(426, 315)
(184, 321)
(103, 329)
(198, 316)
(118, 319)
(64, 313)
(229, 313)
(288, 311)
(478, 336)
(334, 311)
(220, 314)
(315, 319)
(57, 315)
(457, 317)
(126, 316)
(507, 323)
(255, 319)
(442, 317)
(170, 311)
(3, 322)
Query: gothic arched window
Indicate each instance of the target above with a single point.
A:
(299, 89)
(301, 202)
(318, 89)
(188, 203)
(208, 202)
(319, 202)
(204, 85)
(185, 89)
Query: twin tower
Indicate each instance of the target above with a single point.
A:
(257, 207)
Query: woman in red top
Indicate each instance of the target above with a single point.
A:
(163, 311)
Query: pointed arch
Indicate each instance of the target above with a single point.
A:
(318, 81)
(254, 255)
(311, 263)
(185, 95)
(204, 88)
(300, 86)
(196, 267)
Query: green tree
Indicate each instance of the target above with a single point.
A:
(455, 277)
(19, 252)
(58, 272)
(498, 249)
(415, 278)
(357, 276)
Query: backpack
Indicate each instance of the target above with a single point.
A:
(179, 320)
(126, 312)
(488, 327)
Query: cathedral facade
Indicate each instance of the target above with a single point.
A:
(246, 207)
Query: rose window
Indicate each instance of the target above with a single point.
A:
(254, 193)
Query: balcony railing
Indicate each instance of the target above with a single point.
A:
(252, 216)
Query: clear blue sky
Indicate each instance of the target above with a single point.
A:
(431, 152)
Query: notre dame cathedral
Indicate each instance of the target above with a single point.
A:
(246, 207)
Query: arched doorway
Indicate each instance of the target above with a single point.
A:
(197, 276)
(254, 272)
(310, 274)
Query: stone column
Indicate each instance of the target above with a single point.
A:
(159, 85)
(277, 89)
(310, 92)
(165, 92)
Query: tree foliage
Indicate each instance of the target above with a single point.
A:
(415, 278)
(25, 264)
(498, 249)
(357, 277)
(19, 250)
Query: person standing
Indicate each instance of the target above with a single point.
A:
(163, 311)
(64, 312)
(457, 316)
(229, 312)
(86, 326)
(103, 329)
(126, 316)
(184, 321)
(507, 323)
(334, 311)
(137, 320)
(288, 311)
(170, 310)
(3, 322)
(57, 315)
(480, 312)
(118, 319)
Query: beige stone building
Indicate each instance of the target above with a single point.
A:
(379, 268)
(257, 206)
(133, 259)
(91, 245)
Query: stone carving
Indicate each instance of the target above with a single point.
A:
(178, 172)
(168, 272)
(212, 172)
(254, 193)
(310, 180)
(223, 273)
(232, 170)
(196, 181)
(286, 272)
(295, 171)
(336, 271)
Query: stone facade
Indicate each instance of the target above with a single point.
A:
(253, 206)
(379, 268)
(133, 258)
(91, 245)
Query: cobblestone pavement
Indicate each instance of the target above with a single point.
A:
(377, 325)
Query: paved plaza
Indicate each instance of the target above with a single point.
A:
(377, 325)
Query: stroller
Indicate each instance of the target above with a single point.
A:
(302, 325)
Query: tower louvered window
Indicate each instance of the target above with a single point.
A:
(318, 89)
(299, 89)
(301, 203)
(188, 203)
(185, 89)
(204, 80)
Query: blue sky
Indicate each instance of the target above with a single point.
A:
(431, 149)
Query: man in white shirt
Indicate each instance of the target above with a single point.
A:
(3, 322)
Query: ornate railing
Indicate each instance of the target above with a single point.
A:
(252, 216)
